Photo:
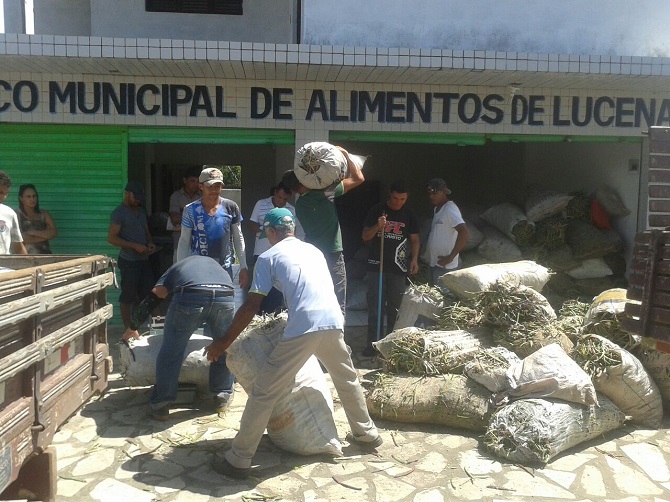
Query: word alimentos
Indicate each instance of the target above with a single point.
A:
(355, 106)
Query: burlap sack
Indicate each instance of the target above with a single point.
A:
(541, 204)
(586, 241)
(139, 366)
(302, 420)
(533, 431)
(449, 400)
(549, 372)
(467, 282)
(628, 385)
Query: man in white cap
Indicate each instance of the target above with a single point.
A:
(314, 327)
(448, 232)
(208, 224)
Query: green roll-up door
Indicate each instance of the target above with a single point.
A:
(79, 173)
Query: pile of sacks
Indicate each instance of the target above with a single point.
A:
(554, 389)
(569, 233)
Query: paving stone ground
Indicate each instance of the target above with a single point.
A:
(110, 451)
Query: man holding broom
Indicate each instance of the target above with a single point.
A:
(392, 230)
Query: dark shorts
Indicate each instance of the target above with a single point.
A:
(137, 279)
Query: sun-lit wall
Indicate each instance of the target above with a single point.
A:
(545, 26)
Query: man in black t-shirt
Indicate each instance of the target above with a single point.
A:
(401, 257)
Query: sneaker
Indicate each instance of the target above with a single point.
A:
(365, 445)
(222, 466)
(222, 403)
(369, 351)
(161, 414)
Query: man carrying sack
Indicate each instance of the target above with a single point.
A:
(315, 326)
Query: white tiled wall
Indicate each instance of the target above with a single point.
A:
(238, 66)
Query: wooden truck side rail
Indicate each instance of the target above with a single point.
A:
(53, 357)
(647, 310)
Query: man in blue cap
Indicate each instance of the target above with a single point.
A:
(315, 326)
(129, 230)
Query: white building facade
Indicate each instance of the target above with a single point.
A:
(109, 91)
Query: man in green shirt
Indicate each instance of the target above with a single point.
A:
(318, 216)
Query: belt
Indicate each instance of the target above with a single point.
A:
(206, 291)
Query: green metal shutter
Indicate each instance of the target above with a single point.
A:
(79, 173)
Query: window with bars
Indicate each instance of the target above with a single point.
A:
(229, 7)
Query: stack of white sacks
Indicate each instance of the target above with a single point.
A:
(579, 246)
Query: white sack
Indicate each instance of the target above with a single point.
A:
(142, 370)
(629, 386)
(475, 236)
(489, 367)
(319, 164)
(594, 268)
(611, 202)
(609, 303)
(437, 352)
(504, 217)
(467, 282)
(657, 365)
(419, 308)
(541, 204)
(536, 430)
(496, 247)
(549, 372)
(302, 420)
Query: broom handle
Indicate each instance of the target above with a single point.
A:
(381, 272)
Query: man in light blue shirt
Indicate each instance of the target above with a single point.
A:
(314, 327)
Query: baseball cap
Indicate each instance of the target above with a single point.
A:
(275, 217)
(136, 188)
(210, 175)
(437, 185)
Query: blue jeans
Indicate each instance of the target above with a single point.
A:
(187, 312)
(338, 272)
